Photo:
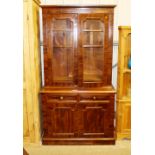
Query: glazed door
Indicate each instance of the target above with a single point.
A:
(95, 38)
(60, 63)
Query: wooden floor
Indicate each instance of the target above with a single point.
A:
(122, 147)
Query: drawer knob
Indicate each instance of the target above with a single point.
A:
(94, 97)
(61, 97)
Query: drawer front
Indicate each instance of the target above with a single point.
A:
(96, 97)
(61, 97)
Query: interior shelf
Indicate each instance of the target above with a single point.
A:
(96, 46)
(127, 70)
(125, 99)
(70, 30)
(87, 30)
(62, 47)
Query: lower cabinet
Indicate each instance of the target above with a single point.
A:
(78, 119)
(124, 119)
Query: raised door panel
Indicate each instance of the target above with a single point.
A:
(95, 50)
(126, 117)
(60, 63)
(58, 117)
(96, 118)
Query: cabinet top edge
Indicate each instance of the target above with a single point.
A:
(77, 6)
(124, 27)
(76, 90)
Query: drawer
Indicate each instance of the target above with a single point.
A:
(95, 97)
(61, 97)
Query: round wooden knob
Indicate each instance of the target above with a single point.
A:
(94, 97)
(61, 97)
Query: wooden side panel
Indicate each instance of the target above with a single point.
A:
(27, 107)
(31, 70)
(25, 119)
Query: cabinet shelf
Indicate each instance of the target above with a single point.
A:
(125, 99)
(87, 30)
(89, 46)
(127, 70)
(70, 30)
(62, 47)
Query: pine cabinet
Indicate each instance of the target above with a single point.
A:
(78, 98)
(124, 84)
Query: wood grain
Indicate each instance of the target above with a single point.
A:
(32, 81)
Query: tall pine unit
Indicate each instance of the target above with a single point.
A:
(124, 84)
(78, 98)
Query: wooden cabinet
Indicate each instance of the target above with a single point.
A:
(78, 98)
(124, 84)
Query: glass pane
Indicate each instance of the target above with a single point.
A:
(60, 24)
(93, 38)
(63, 64)
(127, 54)
(92, 24)
(93, 64)
(62, 39)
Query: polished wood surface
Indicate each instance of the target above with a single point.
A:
(78, 98)
(124, 84)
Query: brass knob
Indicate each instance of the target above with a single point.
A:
(61, 97)
(94, 97)
(106, 17)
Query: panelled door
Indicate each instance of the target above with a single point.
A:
(95, 49)
(97, 114)
(59, 119)
(59, 57)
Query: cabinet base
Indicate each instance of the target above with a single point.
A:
(124, 135)
(78, 141)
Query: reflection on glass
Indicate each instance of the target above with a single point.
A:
(93, 24)
(62, 24)
(62, 39)
(127, 55)
(63, 52)
(93, 38)
(62, 64)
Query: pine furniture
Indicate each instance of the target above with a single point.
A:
(124, 84)
(78, 97)
(31, 72)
